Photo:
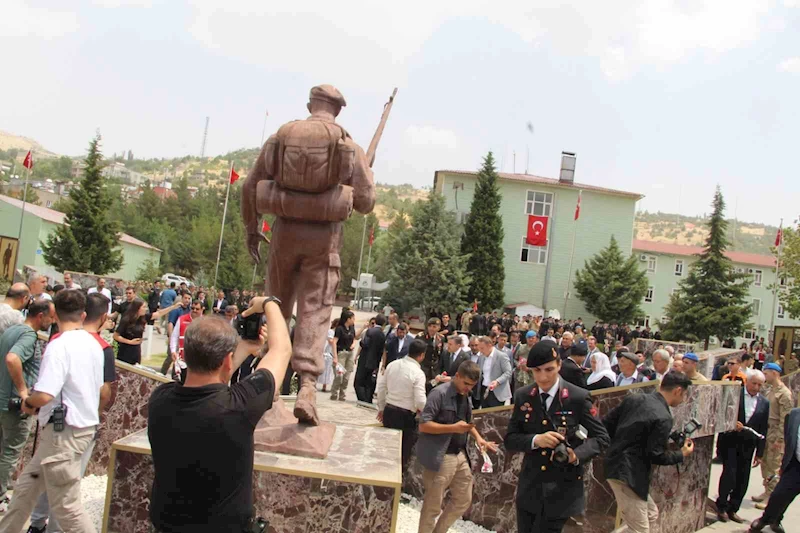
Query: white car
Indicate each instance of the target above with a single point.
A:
(363, 304)
(170, 277)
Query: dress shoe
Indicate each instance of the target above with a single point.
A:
(722, 517)
(761, 506)
(761, 497)
(777, 528)
(735, 517)
(757, 525)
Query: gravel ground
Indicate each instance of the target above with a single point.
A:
(93, 494)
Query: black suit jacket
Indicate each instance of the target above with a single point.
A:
(790, 437)
(372, 348)
(758, 422)
(392, 353)
(573, 373)
(222, 307)
(541, 478)
(449, 367)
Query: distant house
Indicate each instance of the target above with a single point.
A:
(40, 222)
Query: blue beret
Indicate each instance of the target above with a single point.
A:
(530, 334)
(772, 366)
(691, 356)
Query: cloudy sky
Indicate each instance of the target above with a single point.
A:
(666, 98)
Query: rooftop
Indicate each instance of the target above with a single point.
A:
(57, 217)
(529, 178)
(680, 249)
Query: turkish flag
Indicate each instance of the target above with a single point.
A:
(372, 235)
(537, 231)
(265, 226)
(28, 162)
(779, 237)
(234, 176)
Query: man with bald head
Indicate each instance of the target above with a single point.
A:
(17, 298)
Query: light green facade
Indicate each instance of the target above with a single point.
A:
(661, 272)
(35, 230)
(603, 214)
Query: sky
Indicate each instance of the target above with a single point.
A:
(665, 98)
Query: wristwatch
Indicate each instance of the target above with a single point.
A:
(269, 299)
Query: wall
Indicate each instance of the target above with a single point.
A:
(9, 226)
(602, 215)
(135, 258)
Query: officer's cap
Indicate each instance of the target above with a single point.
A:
(543, 352)
(328, 93)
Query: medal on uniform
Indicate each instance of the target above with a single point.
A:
(562, 430)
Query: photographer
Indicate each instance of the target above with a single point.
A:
(21, 356)
(67, 395)
(201, 433)
(630, 456)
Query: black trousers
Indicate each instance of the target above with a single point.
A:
(784, 494)
(405, 420)
(528, 522)
(364, 384)
(737, 456)
(489, 400)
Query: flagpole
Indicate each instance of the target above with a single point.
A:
(361, 257)
(263, 131)
(777, 282)
(572, 256)
(222, 228)
(22, 214)
(369, 258)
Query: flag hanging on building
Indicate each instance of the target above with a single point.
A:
(779, 237)
(371, 235)
(537, 231)
(234, 175)
(265, 226)
(28, 162)
(578, 206)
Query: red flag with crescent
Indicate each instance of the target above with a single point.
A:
(28, 163)
(537, 231)
(234, 175)
(265, 226)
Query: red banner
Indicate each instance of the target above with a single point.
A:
(537, 231)
(28, 163)
(234, 176)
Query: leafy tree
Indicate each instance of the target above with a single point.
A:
(32, 197)
(352, 233)
(611, 286)
(712, 300)
(88, 241)
(483, 238)
(149, 271)
(790, 269)
(387, 244)
(428, 269)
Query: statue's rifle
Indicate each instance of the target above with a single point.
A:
(373, 146)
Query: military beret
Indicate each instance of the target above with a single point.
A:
(579, 350)
(772, 366)
(543, 352)
(691, 356)
(530, 334)
(328, 93)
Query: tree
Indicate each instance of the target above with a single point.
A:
(712, 300)
(610, 286)
(428, 269)
(483, 239)
(88, 241)
(386, 246)
(149, 271)
(32, 197)
(790, 269)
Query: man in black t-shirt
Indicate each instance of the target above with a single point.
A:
(201, 433)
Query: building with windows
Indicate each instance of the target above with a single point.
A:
(667, 264)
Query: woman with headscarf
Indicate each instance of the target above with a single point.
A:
(602, 376)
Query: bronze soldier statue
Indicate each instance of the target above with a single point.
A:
(311, 174)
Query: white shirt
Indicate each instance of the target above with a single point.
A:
(75, 287)
(402, 385)
(9, 316)
(218, 305)
(72, 372)
(549, 338)
(105, 292)
(487, 368)
(402, 342)
(628, 381)
(551, 394)
(749, 406)
(43, 296)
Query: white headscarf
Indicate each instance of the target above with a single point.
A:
(465, 343)
(603, 369)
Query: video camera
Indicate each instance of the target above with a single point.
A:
(679, 437)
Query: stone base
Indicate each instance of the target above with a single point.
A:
(279, 432)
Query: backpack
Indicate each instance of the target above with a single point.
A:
(310, 156)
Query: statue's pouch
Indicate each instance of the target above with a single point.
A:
(333, 205)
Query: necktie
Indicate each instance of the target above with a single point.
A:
(545, 396)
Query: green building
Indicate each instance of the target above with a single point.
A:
(667, 264)
(39, 222)
(537, 276)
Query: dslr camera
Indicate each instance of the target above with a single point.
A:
(560, 452)
(15, 404)
(249, 327)
(679, 437)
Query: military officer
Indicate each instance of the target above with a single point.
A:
(780, 404)
(549, 412)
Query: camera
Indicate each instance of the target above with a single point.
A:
(561, 452)
(679, 437)
(250, 327)
(15, 404)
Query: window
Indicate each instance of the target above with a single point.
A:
(756, 306)
(533, 254)
(679, 267)
(783, 281)
(750, 334)
(643, 322)
(463, 217)
(664, 319)
(781, 312)
(539, 204)
(757, 277)
(648, 297)
(651, 263)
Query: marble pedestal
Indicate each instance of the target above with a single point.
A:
(356, 488)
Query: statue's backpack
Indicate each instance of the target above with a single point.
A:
(310, 156)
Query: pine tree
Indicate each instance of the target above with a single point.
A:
(88, 241)
(428, 269)
(483, 240)
(789, 295)
(610, 286)
(712, 300)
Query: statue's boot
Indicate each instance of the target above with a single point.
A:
(305, 407)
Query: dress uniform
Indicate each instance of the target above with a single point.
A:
(550, 492)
